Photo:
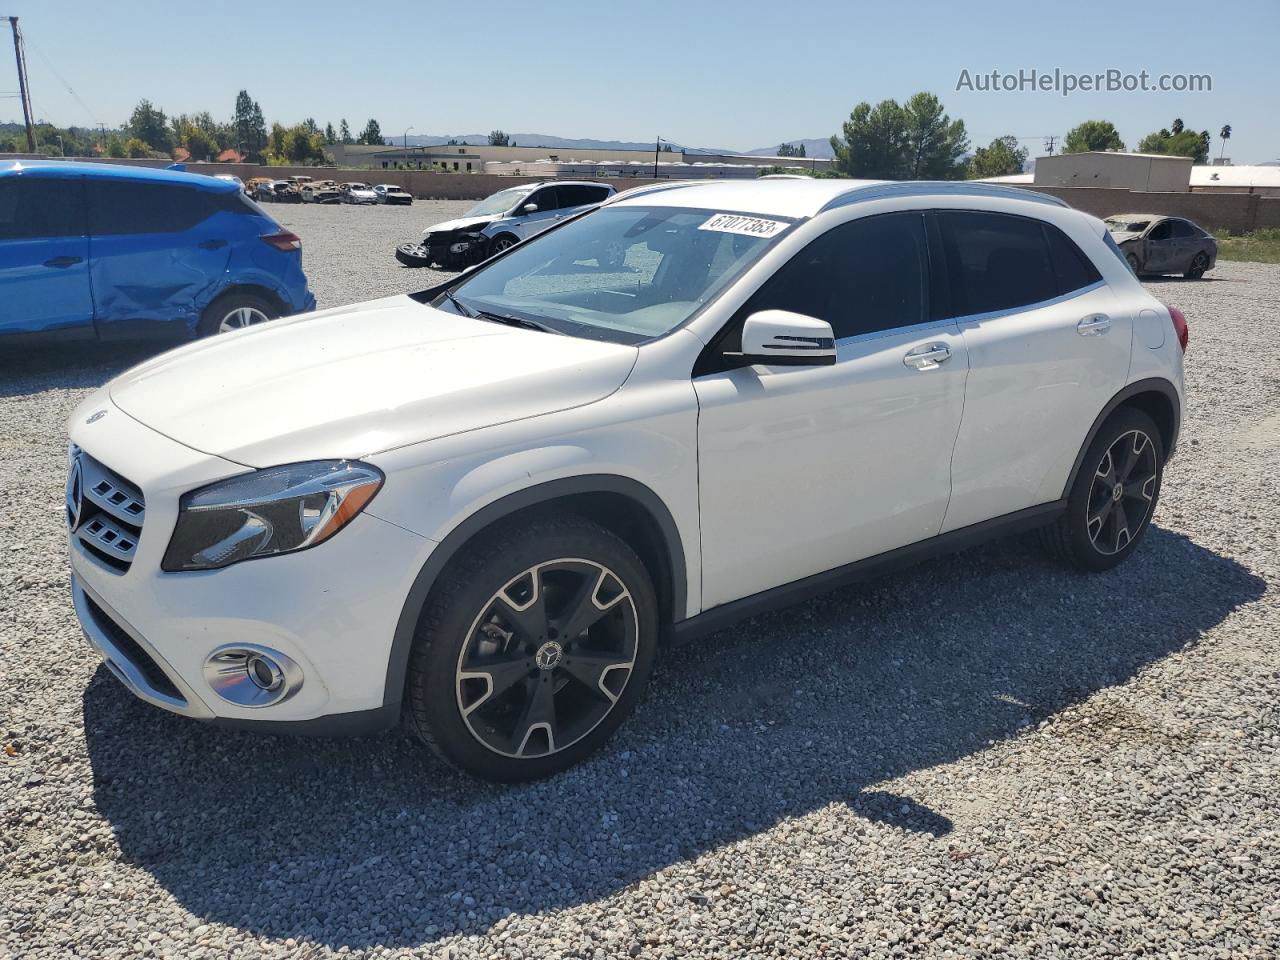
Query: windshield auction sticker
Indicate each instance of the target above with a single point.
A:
(747, 226)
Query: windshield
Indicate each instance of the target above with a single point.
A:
(1126, 226)
(625, 274)
(500, 202)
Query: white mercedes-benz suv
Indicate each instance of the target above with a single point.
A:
(485, 506)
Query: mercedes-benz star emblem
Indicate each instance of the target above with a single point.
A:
(549, 655)
(74, 502)
(96, 416)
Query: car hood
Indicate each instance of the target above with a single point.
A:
(354, 381)
(462, 223)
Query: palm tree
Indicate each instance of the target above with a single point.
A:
(1224, 134)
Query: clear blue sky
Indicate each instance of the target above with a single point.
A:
(732, 74)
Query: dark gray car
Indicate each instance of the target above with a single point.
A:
(1156, 244)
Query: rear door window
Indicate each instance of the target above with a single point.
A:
(41, 207)
(579, 195)
(996, 261)
(118, 207)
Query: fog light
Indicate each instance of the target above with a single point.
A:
(252, 676)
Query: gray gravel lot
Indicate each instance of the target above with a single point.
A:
(984, 756)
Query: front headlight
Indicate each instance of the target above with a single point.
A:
(268, 512)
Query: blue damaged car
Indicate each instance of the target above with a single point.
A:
(114, 252)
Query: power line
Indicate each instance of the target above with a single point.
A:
(48, 63)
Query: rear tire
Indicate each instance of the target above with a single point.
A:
(1114, 495)
(502, 683)
(1198, 266)
(234, 311)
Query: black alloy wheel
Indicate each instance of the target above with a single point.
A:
(535, 645)
(1114, 494)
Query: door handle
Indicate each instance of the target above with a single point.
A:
(211, 244)
(63, 261)
(1093, 325)
(928, 356)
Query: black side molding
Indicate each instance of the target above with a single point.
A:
(358, 723)
(717, 618)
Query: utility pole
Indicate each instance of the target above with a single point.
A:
(23, 94)
(1048, 144)
(656, 144)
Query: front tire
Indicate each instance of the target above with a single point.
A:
(503, 241)
(1133, 264)
(1114, 495)
(534, 647)
(234, 311)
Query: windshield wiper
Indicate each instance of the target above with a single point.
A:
(511, 321)
(457, 305)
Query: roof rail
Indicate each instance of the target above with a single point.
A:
(651, 188)
(920, 188)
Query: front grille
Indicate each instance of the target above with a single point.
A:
(106, 512)
(130, 649)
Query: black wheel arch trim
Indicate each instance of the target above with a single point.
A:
(1150, 385)
(511, 504)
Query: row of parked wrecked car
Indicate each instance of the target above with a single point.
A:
(304, 189)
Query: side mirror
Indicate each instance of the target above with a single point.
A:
(529, 208)
(780, 338)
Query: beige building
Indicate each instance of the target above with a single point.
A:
(1150, 172)
(472, 158)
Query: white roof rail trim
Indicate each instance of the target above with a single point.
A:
(924, 188)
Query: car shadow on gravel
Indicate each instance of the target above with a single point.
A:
(373, 841)
(74, 365)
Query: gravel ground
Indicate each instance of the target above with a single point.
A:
(984, 756)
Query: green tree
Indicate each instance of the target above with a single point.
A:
(1177, 126)
(1184, 143)
(1000, 158)
(116, 148)
(329, 136)
(248, 127)
(1092, 135)
(148, 124)
(309, 125)
(498, 139)
(874, 144)
(791, 150)
(344, 132)
(135, 148)
(935, 142)
(371, 135)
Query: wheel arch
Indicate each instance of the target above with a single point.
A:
(256, 289)
(621, 504)
(1157, 398)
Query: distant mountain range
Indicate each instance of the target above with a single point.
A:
(813, 148)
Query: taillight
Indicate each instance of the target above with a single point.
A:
(284, 240)
(1180, 327)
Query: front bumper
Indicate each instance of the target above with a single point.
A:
(332, 610)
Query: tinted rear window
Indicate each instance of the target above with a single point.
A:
(35, 207)
(123, 207)
(1074, 270)
(996, 261)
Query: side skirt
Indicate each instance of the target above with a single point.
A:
(789, 594)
